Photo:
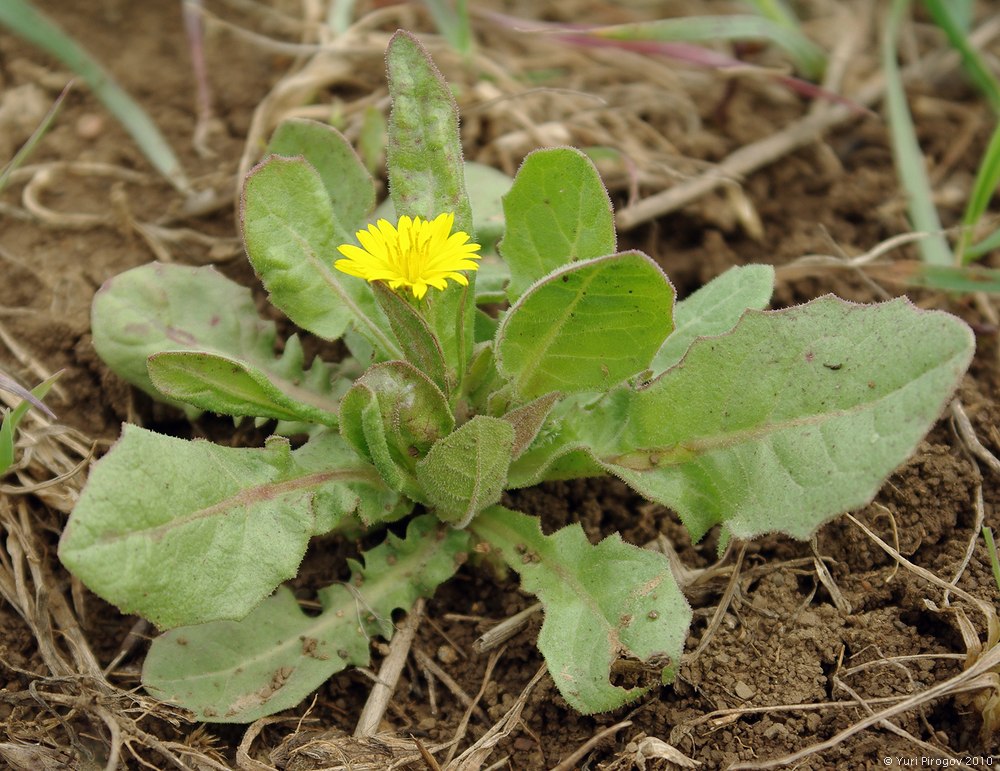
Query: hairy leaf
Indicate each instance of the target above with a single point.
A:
(419, 343)
(239, 671)
(527, 420)
(392, 416)
(557, 451)
(586, 327)
(292, 233)
(223, 384)
(467, 470)
(792, 418)
(603, 604)
(557, 212)
(427, 178)
(347, 181)
(184, 532)
(714, 309)
(157, 308)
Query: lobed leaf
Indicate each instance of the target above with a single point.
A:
(790, 419)
(239, 671)
(159, 308)
(185, 532)
(292, 232)
(225, 385)
(603, 603)
(558, 211)
(587, 326)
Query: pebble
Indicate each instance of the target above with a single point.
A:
(447, 655)
(89, 126)
(743, 690)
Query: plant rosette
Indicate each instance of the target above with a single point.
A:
(729, 414)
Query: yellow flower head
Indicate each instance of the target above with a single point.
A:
(415, 255)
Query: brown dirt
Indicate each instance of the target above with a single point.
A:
(814, 655)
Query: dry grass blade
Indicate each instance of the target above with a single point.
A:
(968, 436)
(472, 759)
(389, 672)
(498, 635)
(756, 155)
(571, 760)
(720, 610)
(976, 678)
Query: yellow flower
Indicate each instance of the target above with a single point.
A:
(415, 256)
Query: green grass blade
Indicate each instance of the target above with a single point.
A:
(991, 548)
(23, 19)
(777, 11)
(808, 57)
(987, 179)
(906, 150)
(953, 20)
(987, 245)
(29, 147)
(451, 17)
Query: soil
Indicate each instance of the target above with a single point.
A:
(797, 654)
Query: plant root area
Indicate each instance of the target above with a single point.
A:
(855, 650)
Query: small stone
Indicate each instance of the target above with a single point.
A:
(427, 724)
(447, 655)
(743, 691)
(89, 126)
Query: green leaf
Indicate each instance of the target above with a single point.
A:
(341, 506)
(528, 419)
(426, 172)
(419, 343)
(157, 307)
(714, 309)
(223, 384)
(953, 18)
(792, 418)
(347, 181)
(239, 671)
(557, 450)
(987, 179)
(558, 211)
(427, 178)
(486, 188)
(392, 416)
(910, 163)
(9, 419)
(25, 20)
(467, 470)
(185, 532)
(809, 58)
(292, 232)
(602, 603)
(586, 327)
